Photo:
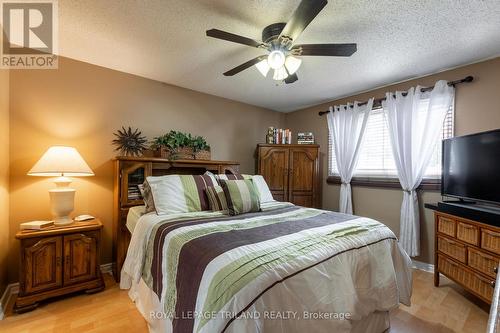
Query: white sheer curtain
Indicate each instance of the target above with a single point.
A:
(414, 123)
(347, 124)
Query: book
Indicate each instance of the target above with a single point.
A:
(278, 136)
(36, 225)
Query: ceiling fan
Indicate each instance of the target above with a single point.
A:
(278, 39)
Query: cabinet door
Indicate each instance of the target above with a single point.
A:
(42, 264)
(80, 257)
(132, 175)
(273, 166)
(303, 176)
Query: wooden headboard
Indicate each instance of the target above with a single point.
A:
(132, 171)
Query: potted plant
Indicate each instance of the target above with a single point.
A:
(174, 145)
(201, 148)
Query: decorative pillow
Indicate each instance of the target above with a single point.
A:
(147, 196)
(241, 196)
(230, 176)
(265, 194)
(180, 193)
(216, 198)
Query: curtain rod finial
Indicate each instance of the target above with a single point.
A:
(469, 78)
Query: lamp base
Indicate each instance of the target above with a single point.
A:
(62, 200)
(63, 220)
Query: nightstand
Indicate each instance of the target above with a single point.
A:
(58, 260)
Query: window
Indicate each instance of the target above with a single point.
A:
(376, 161)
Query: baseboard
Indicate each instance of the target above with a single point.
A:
(422, 266)
(107, 268)
(13, 289)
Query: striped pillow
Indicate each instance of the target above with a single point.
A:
(180, 193)
(216, 198)
(241, 196)
(231, 176)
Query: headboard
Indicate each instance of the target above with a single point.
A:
(132, 171)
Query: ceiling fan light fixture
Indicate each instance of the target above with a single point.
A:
(276, 59)
(292, 64)
(280, 74)
(263, 67)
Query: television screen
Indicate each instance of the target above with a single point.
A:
(471, 167)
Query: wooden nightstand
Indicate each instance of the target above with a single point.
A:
(57, 261)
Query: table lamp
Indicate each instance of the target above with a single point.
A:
(61, 162)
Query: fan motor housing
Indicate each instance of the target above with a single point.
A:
(272, 31)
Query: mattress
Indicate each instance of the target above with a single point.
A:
(209, 272)
(133, 216)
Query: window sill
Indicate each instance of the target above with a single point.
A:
(427, 184)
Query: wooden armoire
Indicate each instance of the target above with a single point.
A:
(292, 172)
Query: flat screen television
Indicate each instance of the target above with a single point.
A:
(471, 167)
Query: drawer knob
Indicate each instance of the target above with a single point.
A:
(495, 270)
(492, 284)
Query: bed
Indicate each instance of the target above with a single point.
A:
(347, 272)
(283, 269)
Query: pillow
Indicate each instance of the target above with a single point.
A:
(265, 194)
(180, 193)
(147, 197)
(216, 198)
(259, 182)
(230, 176)
(241, 196)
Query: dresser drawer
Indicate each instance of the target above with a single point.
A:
(490, 240)
(468, 233)
(483, 262)
(446, 226)
(473, 281)
(452, 248)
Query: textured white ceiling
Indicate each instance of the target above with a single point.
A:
(165, 40)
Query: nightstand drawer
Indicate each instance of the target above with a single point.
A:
(446, 226)
(452, 248)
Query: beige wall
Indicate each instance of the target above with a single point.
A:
(477, 109)
(4, 176)
(81, 105)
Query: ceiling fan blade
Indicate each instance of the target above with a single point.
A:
(244, 66)
(303, 15)
(291, 78)
(216, 33)
(336, 50)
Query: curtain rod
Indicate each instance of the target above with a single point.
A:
(378, 102)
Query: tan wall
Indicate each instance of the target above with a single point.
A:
(477, 109)
(81, 105)
(4, 176)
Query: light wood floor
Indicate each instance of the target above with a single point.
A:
(444, 309)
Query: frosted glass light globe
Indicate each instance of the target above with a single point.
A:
(276, 59)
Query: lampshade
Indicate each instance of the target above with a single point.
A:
(61, 161)
(263, 67)
(292, 64)
(280, 74)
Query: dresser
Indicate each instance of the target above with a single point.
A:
(467, 252)
(58, 261)
(292, 172)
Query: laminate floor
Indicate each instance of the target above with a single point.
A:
(434, 310)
